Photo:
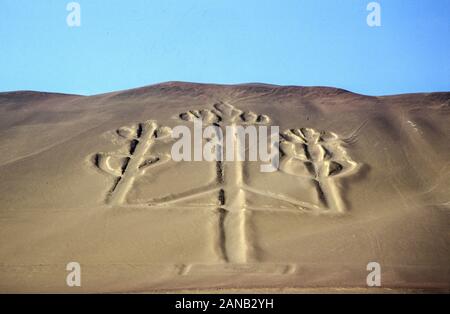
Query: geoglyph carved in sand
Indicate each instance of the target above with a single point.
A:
(126, 167)
(310, 163)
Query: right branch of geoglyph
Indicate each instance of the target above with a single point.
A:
(319, 156)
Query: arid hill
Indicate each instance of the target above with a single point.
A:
(90, 179)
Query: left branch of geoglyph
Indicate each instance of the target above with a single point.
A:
(127, 167)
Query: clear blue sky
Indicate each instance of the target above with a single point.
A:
(124, 44)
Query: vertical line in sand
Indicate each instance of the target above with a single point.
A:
(222, 236)
(332, 196)
(137, 157)
(234, 222)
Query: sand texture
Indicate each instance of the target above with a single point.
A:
(91, 179)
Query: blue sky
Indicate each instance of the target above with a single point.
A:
(124, 44)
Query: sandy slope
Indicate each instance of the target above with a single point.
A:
(88, 179)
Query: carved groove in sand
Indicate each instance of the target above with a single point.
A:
(309, 165)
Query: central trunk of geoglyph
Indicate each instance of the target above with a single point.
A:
(235, 215)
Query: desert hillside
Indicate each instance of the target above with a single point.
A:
(89, 179)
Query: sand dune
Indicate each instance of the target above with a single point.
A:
(91, 179)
